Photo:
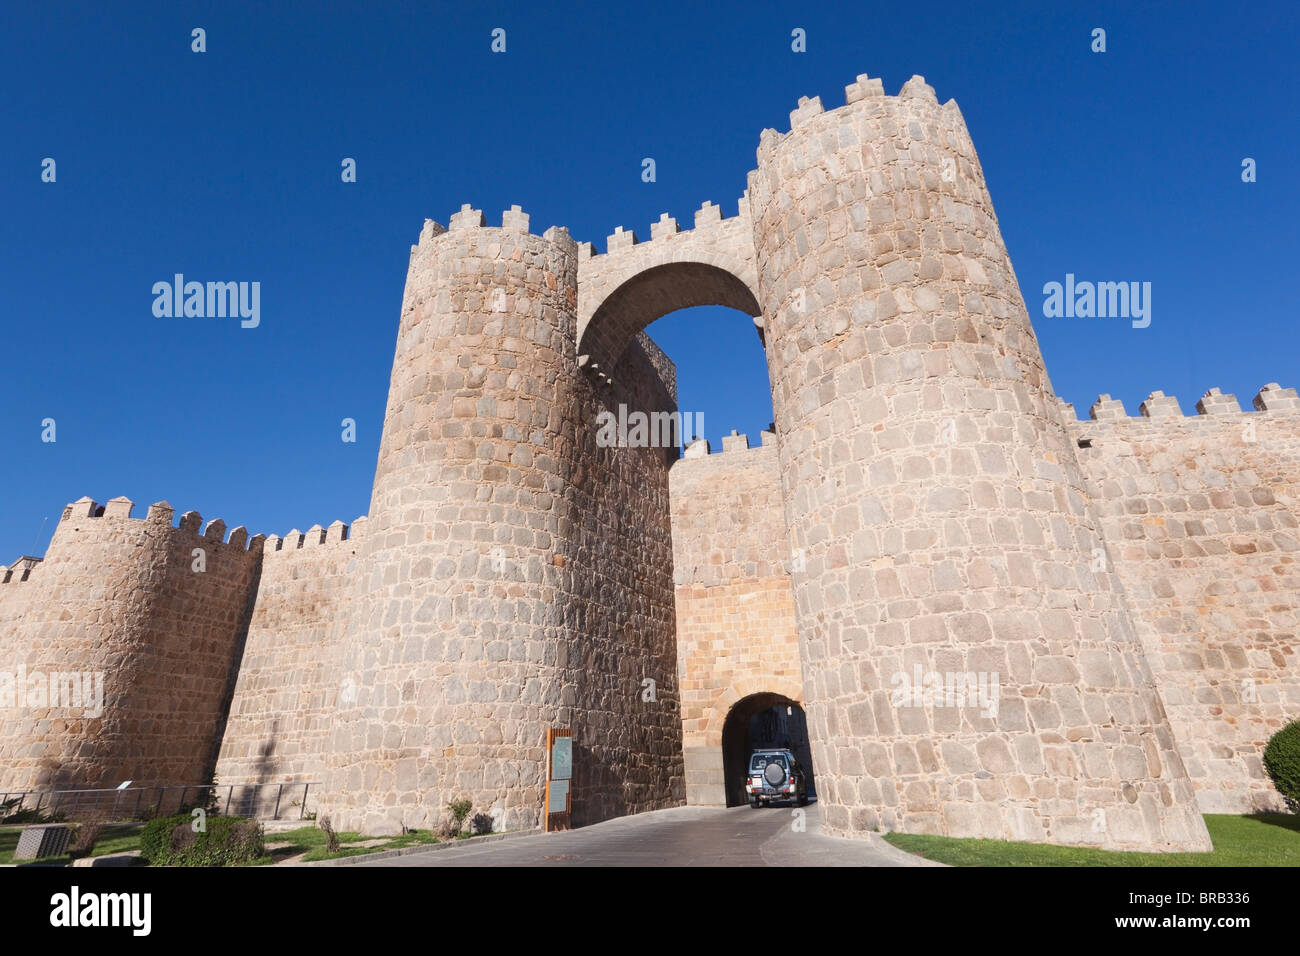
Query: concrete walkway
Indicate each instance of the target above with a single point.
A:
(682, 836)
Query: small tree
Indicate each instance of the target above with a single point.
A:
(459, 811)
(331, 838)
(1282, 761)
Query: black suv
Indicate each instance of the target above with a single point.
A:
(775, 775)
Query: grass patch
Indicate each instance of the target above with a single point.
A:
(1260, 839)
(115, 839)
(308, 840)
(311, 841)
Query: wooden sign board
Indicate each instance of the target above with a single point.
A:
(556, 815)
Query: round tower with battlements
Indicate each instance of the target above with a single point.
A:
(120, 649)
(970, 666)
(499, 593)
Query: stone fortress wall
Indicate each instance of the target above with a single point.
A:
(289, 680)
(925, 505)
(736, 634)
(1201, 516)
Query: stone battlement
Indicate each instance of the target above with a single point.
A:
(468, 219)
(315, 537)
(161, 513)
(20, 571)
(1271, 399)
(864, 92)
(708, 219)
(731, 444)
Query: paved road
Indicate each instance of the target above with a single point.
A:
(682, 836)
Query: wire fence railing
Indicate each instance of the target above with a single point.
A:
(263, 801)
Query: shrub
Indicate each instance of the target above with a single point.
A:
(227, 841)
(482, 823)
(459, 811)
(1282, 761)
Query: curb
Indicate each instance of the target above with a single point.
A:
(902, 856)
(419, 848)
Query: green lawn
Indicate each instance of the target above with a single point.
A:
(1262, 839)
(311, 840)
(115, 839)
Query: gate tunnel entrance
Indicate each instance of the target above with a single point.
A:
(756, 722)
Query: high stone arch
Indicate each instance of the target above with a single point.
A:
(634, 283)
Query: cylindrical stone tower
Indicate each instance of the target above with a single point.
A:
(970, 667)
(125, 650)
(487, 609)
(449, 661)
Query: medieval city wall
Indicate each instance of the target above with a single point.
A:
(289, 682)
(1200, 515)
(155, 612)
(736, 632)
(931, 509)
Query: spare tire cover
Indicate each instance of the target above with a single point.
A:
(774, 774)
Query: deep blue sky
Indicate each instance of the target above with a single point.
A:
(225, 165)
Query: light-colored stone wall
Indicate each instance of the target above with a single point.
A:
(513, 577)
(939, 503)
(736, 632)
(1201, 516)
(123, 598)
(289, 680)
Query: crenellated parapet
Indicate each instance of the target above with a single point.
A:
(314, 538)
(731, 444)
(1159, 410)
(84, 515)
(20, 571)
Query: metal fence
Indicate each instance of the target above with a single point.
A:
(263, 801)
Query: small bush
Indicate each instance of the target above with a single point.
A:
(1282, 761)
(460, 809)
(227, 841)
(482, 823)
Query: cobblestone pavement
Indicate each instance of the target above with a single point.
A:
(681, 836)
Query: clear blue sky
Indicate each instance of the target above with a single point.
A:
(225, 165)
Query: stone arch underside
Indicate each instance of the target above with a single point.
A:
(653, 293)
